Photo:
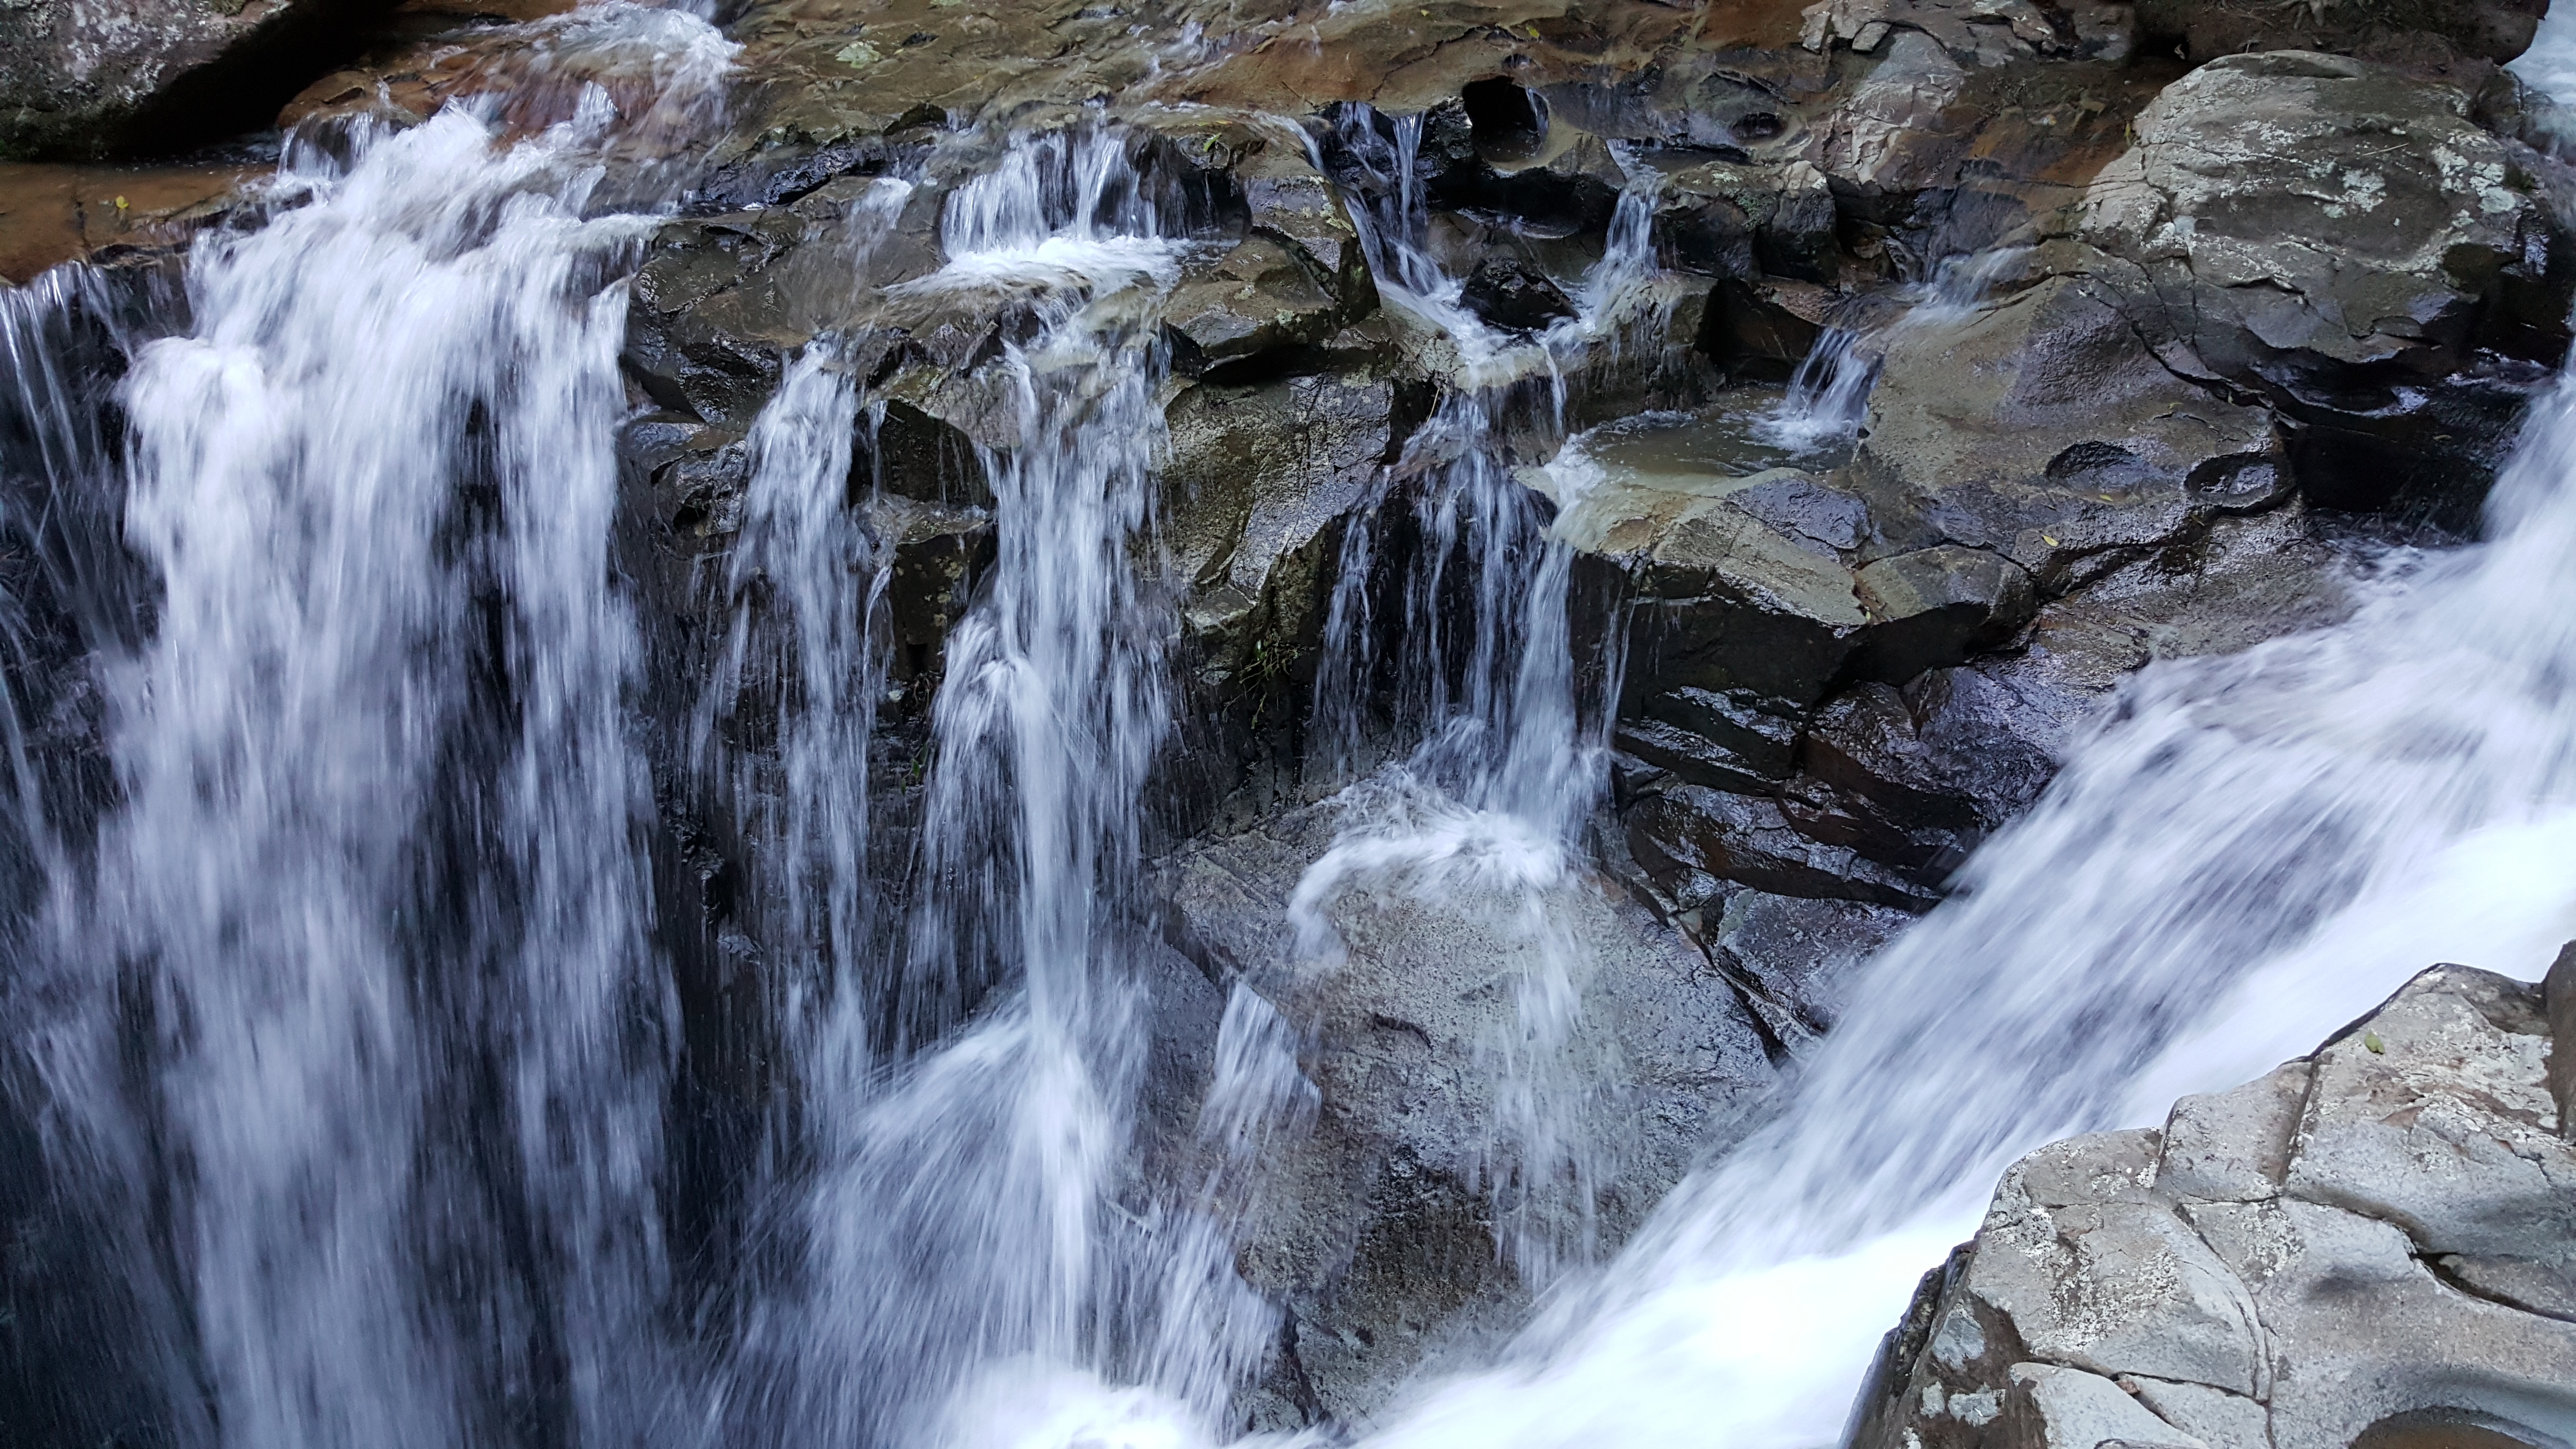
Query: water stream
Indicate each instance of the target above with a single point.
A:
(369, 892)
(357, 965)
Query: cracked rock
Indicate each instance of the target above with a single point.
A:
(2377, 1237)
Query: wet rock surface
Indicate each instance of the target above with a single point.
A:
(2239, 318)
(1378, 1228)
(94, 79)
(2371, 1239)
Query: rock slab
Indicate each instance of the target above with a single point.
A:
(2369, 1244)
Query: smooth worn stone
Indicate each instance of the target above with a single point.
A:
(2041, 428)
(2342, 240)
(2378, 1235)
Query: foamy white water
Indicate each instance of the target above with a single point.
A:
(2247, 853)
(364, 939)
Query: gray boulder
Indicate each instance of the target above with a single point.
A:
(1408, 1218)
(2341, 240)
(2375, 1239)
(2041, 428)
(2423, 31)
(94, 78)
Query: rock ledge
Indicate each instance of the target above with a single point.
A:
(2373, 1245)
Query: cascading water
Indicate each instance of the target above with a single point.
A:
(1485, 811)
(2251, 851)
(369, 903)
(967, 1266)
(370, 897)
(1828, 397)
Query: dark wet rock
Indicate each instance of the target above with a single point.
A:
(937, 553)
(1374, 1230)
(2008, 718)
(2043, 429)
(1825, 519)
(1938, 606)
(1722, 601)
(1262, 296)
(2419, 31)
(1794, 958)
(2340, 240)
(92, 78)
(1743, 723)
(905, 451)
(1259, 481)
(1900, 784)
(1869, 744)
(1691, 757)
(1514, 297)
(2374, 1235)
(1689, 837)
(781, 175)
(1568, 185)
(1765, 328)
(1729, 604)
(708, 328)
(1738, 219)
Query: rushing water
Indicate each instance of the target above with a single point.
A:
(966, 1260)
(355, 970)
(358, 965)
(1482, 815)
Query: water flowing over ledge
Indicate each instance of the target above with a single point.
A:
(356, 1000)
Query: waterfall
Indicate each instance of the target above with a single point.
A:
(359, 963)
(2247, 852)
(969, 1273)
(333, 994)
(1828, 397)
(1484, 812)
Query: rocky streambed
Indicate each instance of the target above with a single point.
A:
(1895, 378)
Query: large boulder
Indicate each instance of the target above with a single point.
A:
(2376, 1239)
(92, 78)
(2421, 31)
(2341, 240)
(2043, 429)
